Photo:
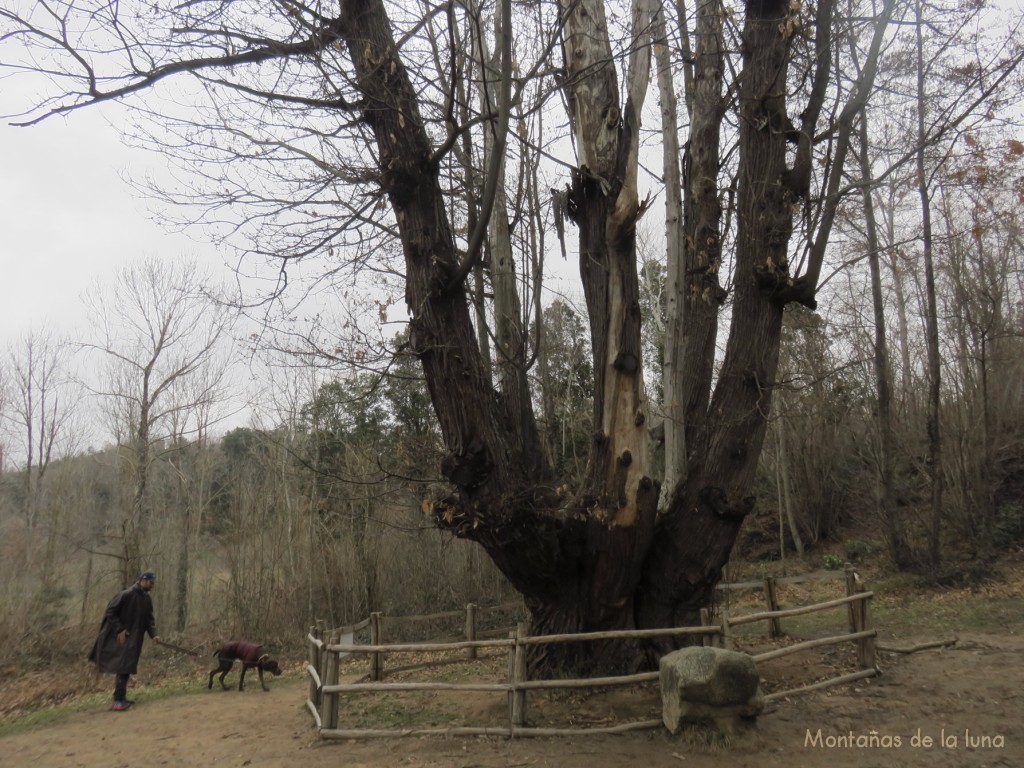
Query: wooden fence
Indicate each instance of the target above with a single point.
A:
(328, 647)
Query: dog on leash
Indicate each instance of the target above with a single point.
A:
(250, 656)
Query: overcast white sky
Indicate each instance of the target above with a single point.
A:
(68, 222)
(68, 219)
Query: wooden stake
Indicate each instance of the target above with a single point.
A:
(852, 589)
(771, 599)
(329, 711)
(519, 676)
(705, 621)
(376, 658)
(727, 642)
(471, 630)
(314, 661)
(867, 645)
(511, 678)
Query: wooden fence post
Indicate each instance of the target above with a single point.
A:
(858, 626)
(852, 588)
(376, 658)
(871, 643)
(511, 678)
(772, 601)
(866, 645)
(519, 675)
(471, 630)
(329, 712)
(321, 635)
(727, 642)
(705, 621)
(314, 662)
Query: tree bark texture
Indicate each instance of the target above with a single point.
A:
(701, 294)
(696, 536)
(673, 371)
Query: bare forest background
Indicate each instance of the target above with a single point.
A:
(893, 416)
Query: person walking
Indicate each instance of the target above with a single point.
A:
(126, 622)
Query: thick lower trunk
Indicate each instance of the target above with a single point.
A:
(694, 540)
(595, 592)
(577, 571)
(609, 656)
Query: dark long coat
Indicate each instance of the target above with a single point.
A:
(130, 609)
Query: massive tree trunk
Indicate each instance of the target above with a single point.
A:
(618, 501)
(504, 492)
(590, 560)
(576, 558)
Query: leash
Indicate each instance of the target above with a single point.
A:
(178, 648)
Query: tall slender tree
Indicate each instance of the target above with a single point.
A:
(157, 343)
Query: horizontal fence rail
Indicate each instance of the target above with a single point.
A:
(805, 609)
(624, 634)
(383, 687)
(804, 578)
(808, 644)
(417, 647)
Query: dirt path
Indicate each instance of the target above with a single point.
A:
(971, 695)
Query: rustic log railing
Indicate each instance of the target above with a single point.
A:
(326, 649)
(769, 586)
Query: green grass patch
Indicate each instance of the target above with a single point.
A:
(53, 715)
(980, 615)
(393, 711)
(57, 714)
(901, 604)
(148, 693)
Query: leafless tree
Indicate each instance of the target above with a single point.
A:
(158, 349)
(43, 415)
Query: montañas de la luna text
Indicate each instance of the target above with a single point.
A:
(920, 740)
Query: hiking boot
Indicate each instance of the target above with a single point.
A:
(120, 706)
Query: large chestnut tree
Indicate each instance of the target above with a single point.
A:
(380, 134)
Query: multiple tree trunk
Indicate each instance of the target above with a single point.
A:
(601, 557)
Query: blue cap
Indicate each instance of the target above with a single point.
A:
(147, 576)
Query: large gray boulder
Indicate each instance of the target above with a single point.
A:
(709, 686)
